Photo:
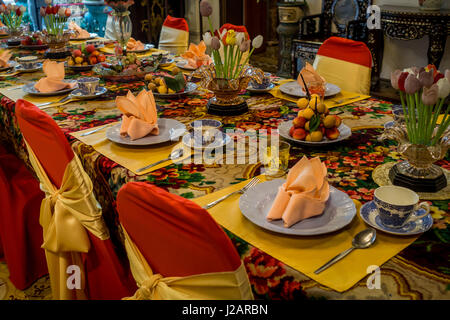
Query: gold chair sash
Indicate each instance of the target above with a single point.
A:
(231, 285)
(65, 215)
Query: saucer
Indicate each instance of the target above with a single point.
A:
(77, 93)
(256, 90)
(220, 141)
(389, 124)
(369, 213)
(20, 68)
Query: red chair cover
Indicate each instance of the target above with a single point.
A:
(176, 23)
(175, 235)
(346, 50)
(106, 276)
(230, 26)
(20, 232)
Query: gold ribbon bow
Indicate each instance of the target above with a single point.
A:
(65, 215)
(232, 285)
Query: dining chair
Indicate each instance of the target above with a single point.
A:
(345, 63)
(74, 231)
(174, 35)
(20, 232)
(176, 238)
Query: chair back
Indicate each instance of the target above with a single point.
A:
(174, 35)
(345, 63)
(176, 236)
(45, 138)
(106, 276)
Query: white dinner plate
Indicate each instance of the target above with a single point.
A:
(284, 127)
(183, 64)
(164, 125)
(255, 204)
(30, 89)
(11, 64)
(293, 89)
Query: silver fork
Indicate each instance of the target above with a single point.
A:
(59, 101)
(249, 185)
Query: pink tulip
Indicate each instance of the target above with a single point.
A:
(395, 75)
(447, 74)
(215, 43)
(245, 46)
(426, 78)
(412, 84)
(205, 8)
(430, 95)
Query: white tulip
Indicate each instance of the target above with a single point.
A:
(257, 42)
(48, 2)
(240, 37)
(207, 39)
(224, 32)
(444, 88)
(62, 12)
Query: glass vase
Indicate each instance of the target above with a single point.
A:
(122, 28)
(418, 171)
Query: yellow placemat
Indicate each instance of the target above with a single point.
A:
(306, 254)
(110, 50)
(16, 94)
(131, 158)
(332, 102)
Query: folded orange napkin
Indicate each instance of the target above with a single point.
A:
(140, 117)
(134, 45)
(53, 81)
(311, 77)
(79, 32)
(5, 55)
(304, 193)
(196, 56)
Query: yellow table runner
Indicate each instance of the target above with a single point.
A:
(131, 158)
(306, 254)
(16, 94)
(335, 101)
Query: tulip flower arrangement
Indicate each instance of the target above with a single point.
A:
(423, 93)
(119, 5)
(234, 46)
(12, 15)
(55, 17)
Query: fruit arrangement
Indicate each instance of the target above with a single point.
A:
(86, 56)
(166, 84)
(33, 40)
(313, 122)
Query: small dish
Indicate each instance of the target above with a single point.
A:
(256, 90)
(183, 64)
(20, 68)
(369, 213)
(190, 88)
(219, 140)
(78, 93)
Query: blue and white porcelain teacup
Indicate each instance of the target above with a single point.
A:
(396, 206)
(205, 130)
(88, 85)
(28, 62)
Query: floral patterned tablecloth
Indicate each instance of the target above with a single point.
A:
(422, 271)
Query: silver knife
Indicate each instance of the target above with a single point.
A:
(95, 130)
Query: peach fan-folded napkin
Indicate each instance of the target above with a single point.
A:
(53, 81)
(310, 75)
(135, 45)
(304, 193)
(140, 117)
(196, 56)
(80, 33)
(5, 55)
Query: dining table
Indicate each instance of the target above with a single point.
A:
(420, 270)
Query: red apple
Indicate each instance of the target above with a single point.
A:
(92, 60)
(291, 131)
(332, 133)
(322, 128)
(338, 121)
(90, 48)
(299, 122)
(299, 134)
(76, 53)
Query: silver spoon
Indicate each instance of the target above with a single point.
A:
(178, 153)
(362, 240)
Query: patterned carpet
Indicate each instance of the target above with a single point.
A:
(40, 290)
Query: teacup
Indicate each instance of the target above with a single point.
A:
(28, 62)
(88, 85)
(266, 82)
(205, 130)
(397, 204)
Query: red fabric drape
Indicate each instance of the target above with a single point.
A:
(175, 235)
(346, 50)
(106, 276)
